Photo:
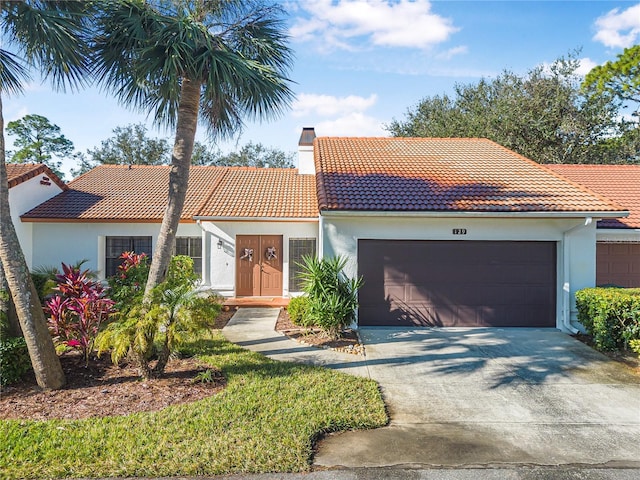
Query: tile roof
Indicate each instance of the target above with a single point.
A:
(283, 193)
(620, 183)
(433, 174)
(18, 173)
(116, 193)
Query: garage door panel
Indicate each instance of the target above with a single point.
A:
(618, 264)
(464, 283)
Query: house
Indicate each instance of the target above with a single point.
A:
(617, 239)
(29, 185)
(450, 232)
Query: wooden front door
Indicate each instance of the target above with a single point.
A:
(259, 265)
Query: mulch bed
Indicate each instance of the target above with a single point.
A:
(347, 343)
(103, 389)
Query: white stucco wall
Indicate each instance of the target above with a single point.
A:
(54, 243)
(220, 273)
(576, 242)
(22, 198)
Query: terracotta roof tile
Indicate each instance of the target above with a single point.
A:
(620, 183)
(118, 193)
(432, 174)
(18, 173)
(283, 193)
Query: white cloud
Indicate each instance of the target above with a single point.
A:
(355, 124)
(401, 23)
(328, 105)
(619, 28)
(586, 65)
(452, 52)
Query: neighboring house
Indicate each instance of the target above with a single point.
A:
(452, 232)
(618, 239)
(29, 185)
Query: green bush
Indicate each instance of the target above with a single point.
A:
(14, 360)
(333, 298)
(610, 315)
(157, 330)
(299, 311)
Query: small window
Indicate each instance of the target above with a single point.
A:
(191, 247)
(298, 248)
(116, 245)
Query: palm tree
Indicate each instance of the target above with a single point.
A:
(45, 35)
(184, 61)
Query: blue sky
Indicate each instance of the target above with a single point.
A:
(360, 64)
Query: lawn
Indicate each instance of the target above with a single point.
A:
(266, 420)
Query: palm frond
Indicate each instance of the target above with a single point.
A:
(235, 49)
(52, 36)
(12, 73)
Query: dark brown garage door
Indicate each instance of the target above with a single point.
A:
(457, 283)
(618, 264)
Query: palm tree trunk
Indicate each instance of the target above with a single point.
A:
(178, 182)
(44, 360)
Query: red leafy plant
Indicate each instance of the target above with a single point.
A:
(77, 310)
(130, 279)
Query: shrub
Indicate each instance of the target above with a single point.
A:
(299, 311)
(173, 317)
(180, 272)
(77, 310)
(130, 280)
(333, 298)
(14, 360)
(610, 315)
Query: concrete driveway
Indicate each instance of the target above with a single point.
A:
(491, 397)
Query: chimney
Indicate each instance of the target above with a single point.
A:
(306, 165)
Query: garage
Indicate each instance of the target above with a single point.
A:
(618, 264)
(457, 283)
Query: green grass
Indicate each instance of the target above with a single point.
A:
(265, 420)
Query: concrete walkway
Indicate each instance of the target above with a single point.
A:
(474, 397)
(253, 329)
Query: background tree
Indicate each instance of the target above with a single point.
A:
(620, 77)
(48, 36)
(189, 60)
(129, 145)
(39, 141)
(250, 155)
(543, 115)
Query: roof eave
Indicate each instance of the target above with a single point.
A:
(214, 218)
(465, 213)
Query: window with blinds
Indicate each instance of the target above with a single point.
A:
(115, 246)
(298, 248)
(191, 247)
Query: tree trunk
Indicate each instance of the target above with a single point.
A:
(178, 182)
(44, 360)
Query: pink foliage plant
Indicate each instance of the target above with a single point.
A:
(77, 310)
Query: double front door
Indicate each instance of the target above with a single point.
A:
(259, 265)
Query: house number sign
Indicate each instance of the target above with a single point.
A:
(459, 231)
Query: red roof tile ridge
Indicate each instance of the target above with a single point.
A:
(37, 169)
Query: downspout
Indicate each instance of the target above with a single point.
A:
(320, 235)
(205, 256)
(566, 287)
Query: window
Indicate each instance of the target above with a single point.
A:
(116, 245)
(191, 247)
(298, 248)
